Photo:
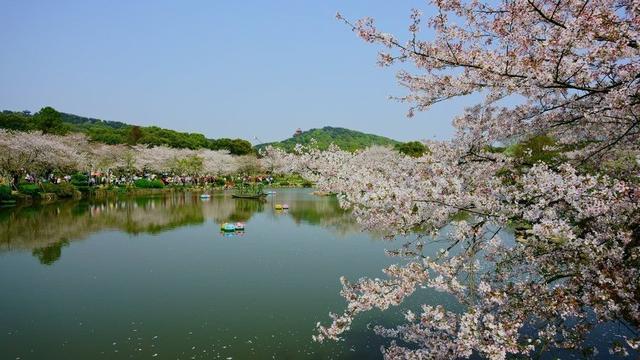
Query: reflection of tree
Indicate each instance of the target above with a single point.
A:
(323, 211)
(45, 230)
(223, 209)
(155, 215)
(42, 227)
(50, 254)
(244, 209)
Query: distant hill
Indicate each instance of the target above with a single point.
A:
(114, 132)
(349, 140)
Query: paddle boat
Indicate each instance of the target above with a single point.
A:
(205, 196)
(278, 206)
(285, 206)
(239, 226)
(226, 227)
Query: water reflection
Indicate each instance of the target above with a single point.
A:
(47, 229)
(325, 212)
(50, 254)
(243, 209)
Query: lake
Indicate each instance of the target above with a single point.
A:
(155, 277)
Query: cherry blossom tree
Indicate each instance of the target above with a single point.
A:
(574, 64)
(559, 81)
(185, 161)
(105, 157)
(157, 159)
(219, 162)
(272, 161)
(37, 153)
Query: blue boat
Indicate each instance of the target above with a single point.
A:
(228, 227)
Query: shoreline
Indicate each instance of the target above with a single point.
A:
(20, 199)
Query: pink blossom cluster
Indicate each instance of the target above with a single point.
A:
(572, 70)
(576, 253)
(573, 64)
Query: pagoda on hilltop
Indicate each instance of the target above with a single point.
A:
(298, 132)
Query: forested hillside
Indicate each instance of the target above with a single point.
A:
(49, 120)
(349, 140)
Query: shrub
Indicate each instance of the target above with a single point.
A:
(149, 184)
(62, 190)
(30, 189)
(307, 184)
(5, 193)
(80, 181)
(283, 183)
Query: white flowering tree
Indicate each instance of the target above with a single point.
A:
(161, 159)
(105, 157)
(39, 154)
(219, 162)
(156, 159)
(36, 153)
(568, 189)
(272, 161)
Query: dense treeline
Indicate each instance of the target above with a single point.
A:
(48, 120)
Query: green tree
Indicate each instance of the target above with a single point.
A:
(412, 148)
(135, 134)
(49, 121)
(16, 121)
(192, 165)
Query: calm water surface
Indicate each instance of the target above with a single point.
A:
(154, 278)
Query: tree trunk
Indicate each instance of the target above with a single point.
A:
(15, 181)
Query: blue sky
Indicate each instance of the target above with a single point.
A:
(223, 68)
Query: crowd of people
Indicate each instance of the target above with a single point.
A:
(97, 178)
